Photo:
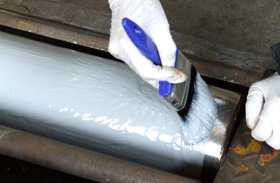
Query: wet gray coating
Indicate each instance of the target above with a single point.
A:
(202, 114)
(90, 102)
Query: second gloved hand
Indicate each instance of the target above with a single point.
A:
(263, 110)
(149, 15)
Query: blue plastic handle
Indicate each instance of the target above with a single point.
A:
(147, 47)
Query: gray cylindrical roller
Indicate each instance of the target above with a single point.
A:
(91, 102)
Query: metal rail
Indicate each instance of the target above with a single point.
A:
(78, 161)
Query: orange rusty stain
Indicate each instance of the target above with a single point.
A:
(254, 146)
(242, 168)
(267, 157)
(22, 23)
(247, 133)
(222, 160)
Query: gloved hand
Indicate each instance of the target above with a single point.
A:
(149, 15)
(263, 110)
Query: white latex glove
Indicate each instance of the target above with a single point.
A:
(150, 16)
(263, 110)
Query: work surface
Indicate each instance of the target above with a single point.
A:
(249, 160)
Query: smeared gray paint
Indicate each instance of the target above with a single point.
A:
(202, 114)
(91, 102)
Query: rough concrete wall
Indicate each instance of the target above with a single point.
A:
(251, 25)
